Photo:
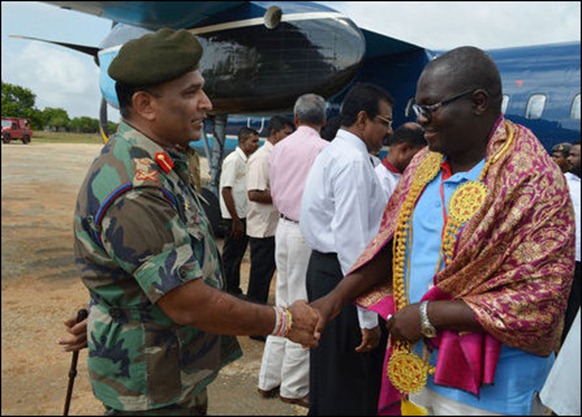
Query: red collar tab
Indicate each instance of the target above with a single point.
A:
(164, 161)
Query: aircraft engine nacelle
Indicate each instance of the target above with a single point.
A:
(261, 65)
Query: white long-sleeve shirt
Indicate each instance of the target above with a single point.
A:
(342, 204)
(574, 187)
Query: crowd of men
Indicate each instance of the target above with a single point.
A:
(436, 280)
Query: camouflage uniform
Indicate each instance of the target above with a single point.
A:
(140, 231)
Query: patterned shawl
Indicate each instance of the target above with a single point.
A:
(513, 261)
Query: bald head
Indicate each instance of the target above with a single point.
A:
(459, 98)
(467, 68)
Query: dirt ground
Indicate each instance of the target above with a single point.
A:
(40, 288)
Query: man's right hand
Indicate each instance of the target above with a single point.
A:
(78, 340)
(238, 230)
(303, 328)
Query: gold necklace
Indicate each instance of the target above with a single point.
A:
(407, 371)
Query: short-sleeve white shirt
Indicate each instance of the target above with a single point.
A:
(234, 175)
(262, 218)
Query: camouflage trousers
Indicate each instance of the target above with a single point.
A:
(200, 408)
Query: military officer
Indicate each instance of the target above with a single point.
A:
(159, 326)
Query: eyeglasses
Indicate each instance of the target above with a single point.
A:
(386, 121)
(427, 109)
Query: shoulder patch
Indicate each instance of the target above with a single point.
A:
(144, 172)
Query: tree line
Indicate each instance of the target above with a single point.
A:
(19, 101)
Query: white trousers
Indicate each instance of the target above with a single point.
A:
(286, 363)
(437, 405)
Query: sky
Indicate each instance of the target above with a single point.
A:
(67, 79)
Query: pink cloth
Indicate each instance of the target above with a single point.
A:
(289, 165)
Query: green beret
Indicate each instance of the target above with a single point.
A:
(156, 58)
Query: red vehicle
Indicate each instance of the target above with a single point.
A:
(15, 128)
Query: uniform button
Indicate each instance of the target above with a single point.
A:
(183, 272)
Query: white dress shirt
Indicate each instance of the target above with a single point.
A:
(262, 218)
(343, 204)
(388, 178)
(574, 186)
(561, 391)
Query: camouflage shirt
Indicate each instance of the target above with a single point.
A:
(140, 231)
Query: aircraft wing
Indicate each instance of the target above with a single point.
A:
(153, 15)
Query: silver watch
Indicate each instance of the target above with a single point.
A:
(426, 328)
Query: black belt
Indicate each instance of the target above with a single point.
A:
(288, 219)
(325, 254)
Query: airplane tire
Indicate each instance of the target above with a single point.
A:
(212, 210)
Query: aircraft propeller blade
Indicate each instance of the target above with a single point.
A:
(103, 123)
(89, 50)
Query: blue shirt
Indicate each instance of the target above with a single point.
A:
(519, 374)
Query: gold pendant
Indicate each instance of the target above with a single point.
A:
(407, 371)
(428, 168)
(466, 200)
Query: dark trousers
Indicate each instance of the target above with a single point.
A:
(233, 252)
(573, 302)
(341, 381)
(262, 268)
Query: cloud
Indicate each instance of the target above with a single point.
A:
(445, 25)
(57, 77)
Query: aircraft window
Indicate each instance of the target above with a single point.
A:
(535, 106)
(504, 103)
(575, 111)
(408, 110)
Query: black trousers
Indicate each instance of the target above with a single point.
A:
(233, 252)
(341, 381)
(573, 302)
(262, 268)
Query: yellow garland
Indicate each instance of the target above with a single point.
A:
(406, 370)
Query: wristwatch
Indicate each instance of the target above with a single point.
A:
(426, 328)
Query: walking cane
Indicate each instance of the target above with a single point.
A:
(81, 315)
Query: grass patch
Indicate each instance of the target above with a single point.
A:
(42, 136)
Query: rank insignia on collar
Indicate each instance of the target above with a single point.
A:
(164, 161)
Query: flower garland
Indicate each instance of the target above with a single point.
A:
(407, 371)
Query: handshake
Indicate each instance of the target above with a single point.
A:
(309, 321)
(307, 324)
(304, 326)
